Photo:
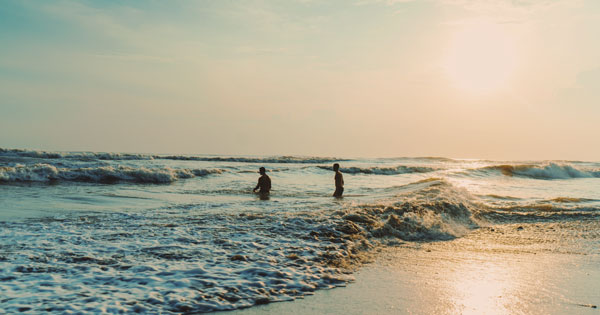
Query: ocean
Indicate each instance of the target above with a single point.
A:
(118, 232)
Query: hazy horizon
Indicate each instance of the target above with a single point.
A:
(369, 78)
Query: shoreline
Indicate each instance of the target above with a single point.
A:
(450, 278)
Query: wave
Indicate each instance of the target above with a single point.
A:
(375, 170)
(557, 209)
(273, 160)
(540, 213)
(436, 158)
(548, 171)
(90, 156)
(434, 209)
(572, 200)
(431, 210)
(494, 196)
(105, 174)
(85, 156)
(272, 170)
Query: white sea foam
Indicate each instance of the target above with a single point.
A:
(42, 172)
(543, 171)
(167, 263)
(86, 156)
(429, 210)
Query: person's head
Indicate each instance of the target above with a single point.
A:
(262, 171)
(336, 167)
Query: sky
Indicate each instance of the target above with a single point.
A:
(494, 79)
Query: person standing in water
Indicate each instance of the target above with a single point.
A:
(339, 181)
(264, 183)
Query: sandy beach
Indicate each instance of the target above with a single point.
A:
(456, 278)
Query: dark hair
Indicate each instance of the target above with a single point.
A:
(336, 165)
(262, 170)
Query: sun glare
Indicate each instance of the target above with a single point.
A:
(480, 57)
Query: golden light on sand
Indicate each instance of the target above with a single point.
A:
(480, 57)
(484, 288)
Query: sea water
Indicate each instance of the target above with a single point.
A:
(115, 232)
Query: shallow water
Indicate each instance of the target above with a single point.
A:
(132, 232)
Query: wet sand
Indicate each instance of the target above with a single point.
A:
(455, 277)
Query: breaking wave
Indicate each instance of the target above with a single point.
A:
(401, 169)
(434, 209)
(430, 210)
(105, 174)
(85, 156)
(548, 171)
